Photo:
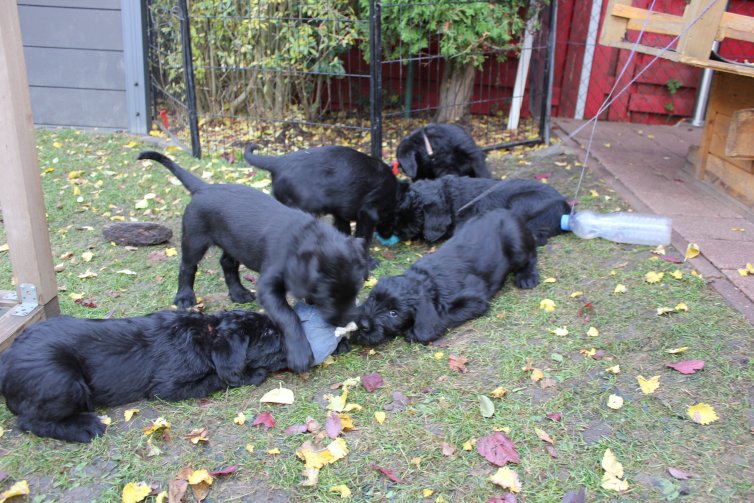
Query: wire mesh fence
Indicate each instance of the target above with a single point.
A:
(287, 73)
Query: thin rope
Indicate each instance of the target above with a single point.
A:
(603, 107)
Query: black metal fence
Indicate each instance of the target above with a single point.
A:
(292, 73)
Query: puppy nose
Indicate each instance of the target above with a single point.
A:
(364, 324)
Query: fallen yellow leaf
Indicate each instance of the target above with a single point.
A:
(675, 351)
(469, 444)
(438, 355)
(613, 483)
(133, 492)
(615, 369)
(426, 493)
(615, 402)
(576, 294)
(379, 416)
(249, 448)
(664, 310)
(677, 274)
(341, 489)
(370, 282)
(507, 479)
(593, 332)
(159, 424)
(199, 476)
(659, 250)
(171, 252)
(106, 420)
(240, 419)
(702, 413)
(162, 497)
(537, 375)
(682, 307)
(619, 288)
(561, 331)
(653, 277)
(548, 305)
(542, 434)
(648, 386)
(611, 464)
(20, 488)
(692, 251)
(130, 413)
(278, 395)
(549, 280)
(499, 392)
(273, 452)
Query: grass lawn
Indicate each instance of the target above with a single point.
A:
(556, 387)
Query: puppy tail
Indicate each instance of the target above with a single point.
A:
(265, 162)
(190, 181)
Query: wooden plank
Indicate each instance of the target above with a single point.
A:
(736, 26)
(697, 41)
(21, 190)
(614, 27)
(740, 143)
(736, 182)
(71, 28)
(11, 326)
(75, 4)
(94, 109)
(742, 69)
(75, 68)
(719, 139)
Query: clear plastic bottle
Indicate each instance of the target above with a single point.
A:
(634, 228)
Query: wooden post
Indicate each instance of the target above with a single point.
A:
(697, 42)
(21, 187)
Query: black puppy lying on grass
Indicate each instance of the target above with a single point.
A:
(440, 149)
(57, 371)
(452, 285)
(432, 209)
(292, 251)
(334, 180)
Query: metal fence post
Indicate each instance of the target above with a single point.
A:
(375, 71)
(544, 120)
(188, 71)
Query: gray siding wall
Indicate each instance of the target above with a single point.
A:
(75, 62)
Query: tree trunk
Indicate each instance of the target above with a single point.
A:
(455, 91)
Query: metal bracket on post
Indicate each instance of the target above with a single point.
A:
(28, 300)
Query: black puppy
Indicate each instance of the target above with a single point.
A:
(440, 149)
(57, 371)
(452, 285)
(292, 251)
(334, 180)
(432, 209)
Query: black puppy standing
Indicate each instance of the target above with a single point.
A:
(432, 209)
(334, 180)
(57, 371)
(452, 285)
(440, 149)
(292, 251)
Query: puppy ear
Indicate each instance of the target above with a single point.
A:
(427, 323)
(437, 220)
(407, 162)
(229, 356)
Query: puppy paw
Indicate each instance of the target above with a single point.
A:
(185, 300)
(242, 296)
(527, 280)
(300, 361)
